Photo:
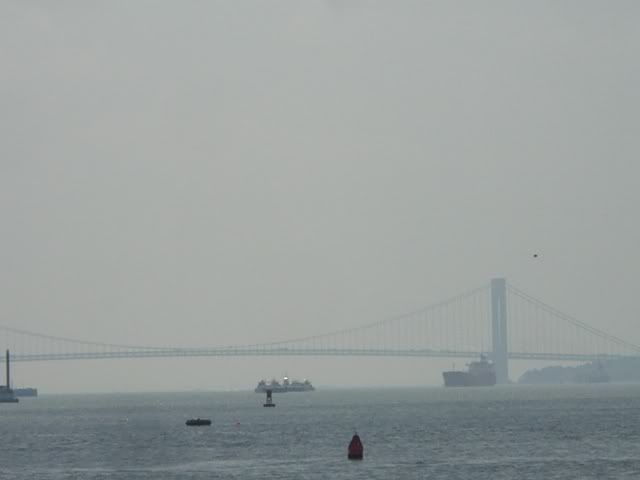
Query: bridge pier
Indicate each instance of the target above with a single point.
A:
(499, 329)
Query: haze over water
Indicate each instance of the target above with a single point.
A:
(562, 432)
(226, 173)
(194, 174)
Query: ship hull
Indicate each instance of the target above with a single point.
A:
(465, 379)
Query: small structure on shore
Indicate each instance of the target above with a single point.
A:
(7, 395)
(269, 402)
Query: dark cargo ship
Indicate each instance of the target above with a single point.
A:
(479, 374)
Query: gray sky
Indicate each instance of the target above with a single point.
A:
(204, 173)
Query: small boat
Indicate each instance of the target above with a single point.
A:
(26, 392)
(356, 450)
(198, 422)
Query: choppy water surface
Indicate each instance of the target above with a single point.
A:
(485, 433)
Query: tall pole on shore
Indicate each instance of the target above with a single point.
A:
(7, 362)
(499, 329)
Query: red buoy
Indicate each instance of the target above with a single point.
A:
(356, 450)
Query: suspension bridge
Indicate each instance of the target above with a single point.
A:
(497, 319)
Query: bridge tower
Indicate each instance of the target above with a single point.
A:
(499, 329)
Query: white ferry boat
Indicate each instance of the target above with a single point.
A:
(286, 386)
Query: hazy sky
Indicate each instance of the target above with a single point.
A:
(205, 173)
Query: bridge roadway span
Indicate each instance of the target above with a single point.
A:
(258, 351)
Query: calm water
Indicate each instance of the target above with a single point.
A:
(487, 433)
